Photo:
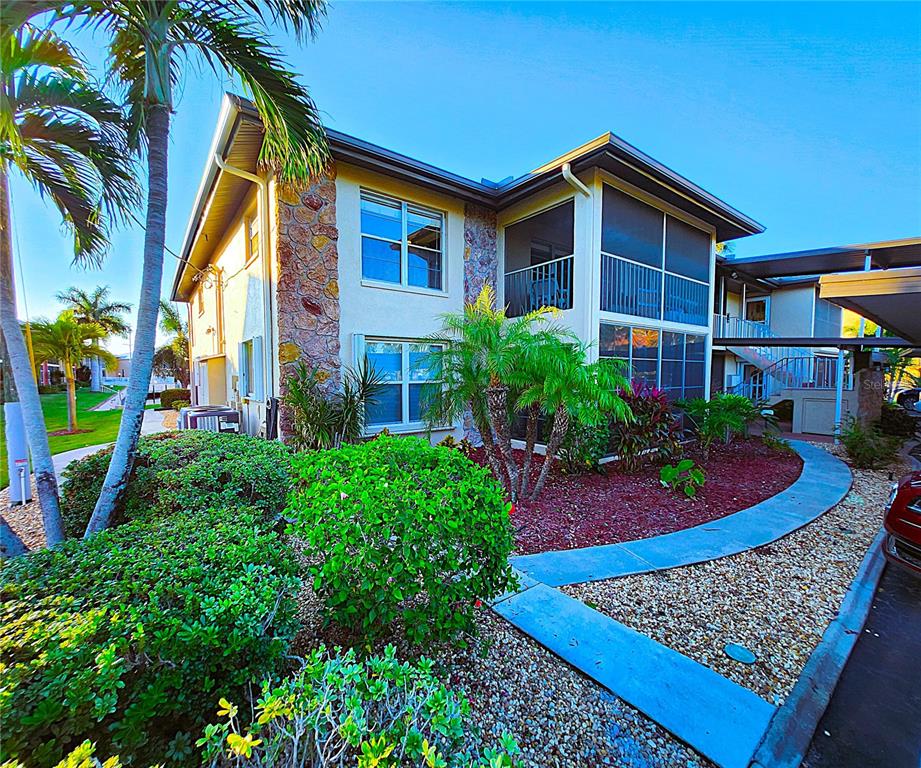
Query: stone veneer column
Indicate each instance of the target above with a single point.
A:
(481, 267)
(307, 294)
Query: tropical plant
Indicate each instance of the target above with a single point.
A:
(572, 390)
(898, 421)
(867, 447)
(68, 341)
(684, 476)
(150, 43)
(66, 139)
(318, 419)
(338, 709)
(479, 365)
(652, 432)
(172, 359)
(401, 534)
(722, 417)
(96, 308)
(583, 447)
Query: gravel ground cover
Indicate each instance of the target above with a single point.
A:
(560, 718)
(590, 509)
(26, 520)
(776, 600)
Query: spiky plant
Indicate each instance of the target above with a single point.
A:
(64, 137)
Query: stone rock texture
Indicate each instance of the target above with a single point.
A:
(870, 386)
(481, 267)
(308, 283)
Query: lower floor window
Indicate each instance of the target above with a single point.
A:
(672, 361)
(409, 374)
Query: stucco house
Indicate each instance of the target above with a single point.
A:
(363, 263)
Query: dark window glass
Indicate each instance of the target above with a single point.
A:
(380, 260)
(424, 268)
(696, 347)
(687, 250)
(388, 406)
(630, 228)
(694, 375)
(614, 340)
(672, 345)
(423, 229)
(644, 370)
(672, 372)
(381, 218)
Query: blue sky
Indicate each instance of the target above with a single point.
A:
(806, 117)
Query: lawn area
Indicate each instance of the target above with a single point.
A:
(102, 425)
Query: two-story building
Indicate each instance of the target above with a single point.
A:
(363, 263)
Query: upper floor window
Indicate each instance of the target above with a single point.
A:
(401, 242)
(252, 238)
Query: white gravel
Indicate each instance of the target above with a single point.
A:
(775, 601)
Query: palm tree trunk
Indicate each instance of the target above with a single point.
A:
(489, 447)
(71, 398)
(10, 543)
(560, 428)
(530, 442)
(497, 406)
(45, 481)
(145, 335)
(95, 374)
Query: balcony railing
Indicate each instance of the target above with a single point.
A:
(543, 285)
(686, 301)
(630, 288)
(728, 327)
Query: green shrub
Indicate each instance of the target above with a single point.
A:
(867, 447)
(126, 639)
(583, 447)
(169, 396)
(83, 756)
(337, 710)
(51, 389)
(777, 444)
(722, 417)
(178, 405)
(897, 421)
(187, 470)
(651, 434)
(398, 529)
(684, 477)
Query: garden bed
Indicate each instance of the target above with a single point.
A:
(776, 600)
(586, 510)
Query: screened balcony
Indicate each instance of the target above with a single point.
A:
(539, 261)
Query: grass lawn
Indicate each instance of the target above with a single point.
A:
(102, 425)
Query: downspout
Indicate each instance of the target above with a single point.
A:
(262, 184)
(573, 181)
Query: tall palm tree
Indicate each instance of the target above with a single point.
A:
(95, 307)
(150, 42)
(175, 353)
(68, 140)
(68, 341)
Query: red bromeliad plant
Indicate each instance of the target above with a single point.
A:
(653, 431)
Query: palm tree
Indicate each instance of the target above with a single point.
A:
(150, 42)
(172, 359)
(571, 389)
(68, 341)
(62, 135)
(95, 307)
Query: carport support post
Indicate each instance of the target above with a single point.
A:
(839, 394)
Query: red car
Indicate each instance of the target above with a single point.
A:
(903, 522)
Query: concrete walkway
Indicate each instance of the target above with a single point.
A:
(153, 423)
(824, 481)
(722, 720)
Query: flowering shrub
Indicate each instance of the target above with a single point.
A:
(128, 637)
(397, 529)
(183, 471)
(651, 434)
(337, 710)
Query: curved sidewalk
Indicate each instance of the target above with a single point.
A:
(824, 481)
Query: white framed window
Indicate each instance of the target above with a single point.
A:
(401, 243)
(252, 238)
(409, 373)
(249, 357)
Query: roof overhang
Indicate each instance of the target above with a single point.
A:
(888, 254)
(890, 298)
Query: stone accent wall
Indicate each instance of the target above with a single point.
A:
(870, 386)
(308, 283)
(481, 266)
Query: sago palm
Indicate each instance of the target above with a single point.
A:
(569, 388)
(150, 43)
(96, 307)
(68, 341)
(65, 138)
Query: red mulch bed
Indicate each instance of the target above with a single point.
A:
(585, 510)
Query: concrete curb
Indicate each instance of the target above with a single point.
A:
(790, 731)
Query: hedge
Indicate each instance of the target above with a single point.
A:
(168, 396)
